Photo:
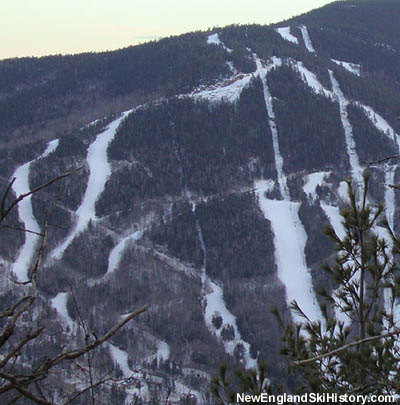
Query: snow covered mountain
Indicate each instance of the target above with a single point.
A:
(214, 160)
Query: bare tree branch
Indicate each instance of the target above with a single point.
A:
(5, 211)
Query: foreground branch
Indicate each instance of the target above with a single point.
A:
(345, 347)
(5, 211)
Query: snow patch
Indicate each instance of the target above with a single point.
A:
(25, 213)
(284, 32)
(306, 39)
(351, 67)
(100, 171)
(312, 181)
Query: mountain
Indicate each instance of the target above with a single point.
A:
(210, 163)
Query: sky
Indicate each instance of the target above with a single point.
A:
(44, 27)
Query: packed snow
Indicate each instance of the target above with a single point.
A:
(356, 170)
(25, 213)
(229, 90)
(100, 171)
(290, 240)
(214, 39)
(312, 181)
(262, 72)
(284, 32)
(59, 303)
(351, 67)
(306, 39)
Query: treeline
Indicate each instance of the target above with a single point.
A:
(38, 89)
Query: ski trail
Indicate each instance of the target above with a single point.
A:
(377, 120)
(262, 73)
(336, 220)
(59, 303)
(311, 80)
(356, 170)
(214, 306)
(100, 171)
(306, 39)
(290, 240)
(351, 67)
(390, 209)
(120, 358)
(25, 213)
(289, 234)
(380, 124)
(116, 253)
(214, 39)
(284, 32)
(228, 90)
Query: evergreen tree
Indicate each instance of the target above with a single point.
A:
(354, 349)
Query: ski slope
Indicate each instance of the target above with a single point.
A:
(289, 235)
(351, 67)
(356, 169)
(25, 213)
(228, 90)
(306, 39)
(262, 72)
(290, 240)
(100, 171)
(215, 306)
(59, 303)
(285, 33)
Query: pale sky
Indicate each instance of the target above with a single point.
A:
(43, 27)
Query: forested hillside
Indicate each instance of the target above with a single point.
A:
(210, 163)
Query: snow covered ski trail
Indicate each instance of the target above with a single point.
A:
(289, 235)
(100, 171)
(25, 213)
(214, 306)
(285, 33)
(356, 170)
(306, 39)
(262, 73)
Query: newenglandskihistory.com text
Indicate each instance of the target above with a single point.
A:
(313, 398)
